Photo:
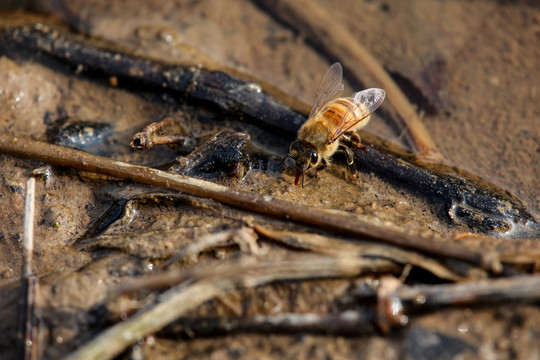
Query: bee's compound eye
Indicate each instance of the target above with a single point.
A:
(314, 157)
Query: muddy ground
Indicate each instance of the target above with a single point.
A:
(471, 67)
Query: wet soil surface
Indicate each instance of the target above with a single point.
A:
(469, 67)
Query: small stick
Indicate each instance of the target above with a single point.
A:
(204, 284)
(333, 246)
(26, 346)
(244, 237)
(266, 205)
(28, 237)
(396, 300)
(308, 17)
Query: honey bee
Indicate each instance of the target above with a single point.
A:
(332, 124)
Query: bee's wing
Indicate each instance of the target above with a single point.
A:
(330, 86)
(368, 101)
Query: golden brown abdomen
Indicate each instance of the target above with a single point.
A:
(336, 110)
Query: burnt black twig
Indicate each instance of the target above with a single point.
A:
(232, 95)
(459, 199)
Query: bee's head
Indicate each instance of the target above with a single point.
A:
(305, 158)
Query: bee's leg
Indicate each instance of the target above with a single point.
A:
(323, 166)
(350, 162)
(353, 140)
(350, 159)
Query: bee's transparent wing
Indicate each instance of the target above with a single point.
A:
(330, 86)
(367, 101)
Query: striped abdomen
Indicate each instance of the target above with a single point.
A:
(343, 109)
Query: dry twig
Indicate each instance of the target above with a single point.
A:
(396, 300)
(266, 205)
(244, 237)
(336, 247)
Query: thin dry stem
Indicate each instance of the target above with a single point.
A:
(396, 300)
(244, 237)
(26, 346)
(336, 247)
(28, 237)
